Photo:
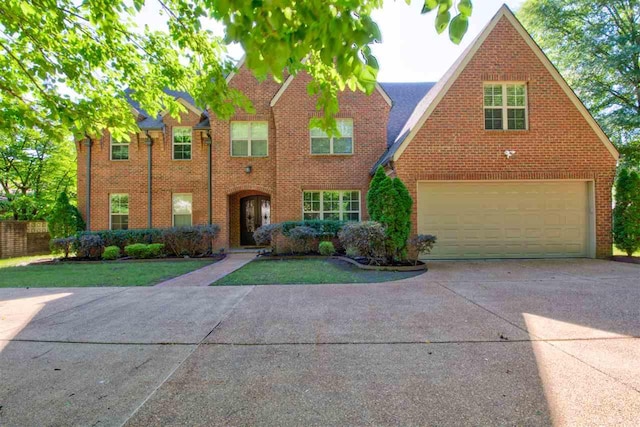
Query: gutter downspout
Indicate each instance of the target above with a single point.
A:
(209, 189)
(88, 143)
(149, 143)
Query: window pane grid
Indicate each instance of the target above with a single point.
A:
(182, 143)
(119, 150)
(119, 211)
(249, 139)
(322, 144)
(182, 210)
(505, 107)
(331, 205)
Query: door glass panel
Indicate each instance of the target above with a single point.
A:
(250, 212)
(265, 211)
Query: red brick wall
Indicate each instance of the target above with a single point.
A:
(453, 145)
(298, 169)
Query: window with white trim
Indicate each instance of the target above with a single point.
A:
(182, 210)
(505, 106)
(249, 139)
(119, 211)
(331, 205)
(343, 144)
(119, 150)
(182, 139)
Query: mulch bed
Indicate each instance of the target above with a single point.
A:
(628, 259)
(360, 262)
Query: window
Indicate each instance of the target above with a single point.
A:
(119, 150)
(181, 143)
(249, 139)
(322, 144)
(328, 205)
(119, 211)
(182, 208)
(505, 106)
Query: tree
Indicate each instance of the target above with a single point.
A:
(34, 169)
(392, 207)
(65, 65)
(64, 220)
(596, 46)
(626, 213)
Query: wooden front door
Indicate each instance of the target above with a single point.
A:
(255, 211)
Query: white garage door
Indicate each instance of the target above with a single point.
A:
(512, 219)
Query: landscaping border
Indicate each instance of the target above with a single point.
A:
(419, 267)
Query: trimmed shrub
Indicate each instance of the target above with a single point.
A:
(367, 239)
(626, 213)
(192, 241)
(326, 248)
(323, 228)
(420, 244)
(64, 219)
(301, 238)
(264, 234)
(142, 251)
(89, 246)
(63, 245)
(122, 238)
(111, 253)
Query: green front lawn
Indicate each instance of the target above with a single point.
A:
(306, 271)
(82, 274)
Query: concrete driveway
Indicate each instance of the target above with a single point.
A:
(482, 343)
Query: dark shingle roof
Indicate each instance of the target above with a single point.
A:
(405, 98)
(149, 123)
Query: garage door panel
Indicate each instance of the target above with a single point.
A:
(514, 219)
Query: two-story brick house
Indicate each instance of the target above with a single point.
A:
(500, 156)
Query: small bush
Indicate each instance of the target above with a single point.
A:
(142, 251)
(264, 234)
(64, 219)
(326, 248)
(111, 253)
(63, 245)
(301, 238)
(89, 246)
(192, 241)
(420, 244)
(323, 228)
(365, 238)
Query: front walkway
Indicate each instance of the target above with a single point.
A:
(209, 274)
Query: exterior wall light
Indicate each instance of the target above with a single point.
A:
(509, 153)
(247, 169)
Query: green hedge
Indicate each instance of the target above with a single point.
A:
(324, 228)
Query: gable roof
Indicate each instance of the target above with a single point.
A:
(433, 97)
(289, 79)
(155, 123)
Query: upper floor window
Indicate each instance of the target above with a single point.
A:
(119, 150)
(119, 211)
(505, 106)
(181, 143)
(343, 144)
(331, 205)
(182, 210)
(249, 139)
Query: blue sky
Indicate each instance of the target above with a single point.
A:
(410, 51)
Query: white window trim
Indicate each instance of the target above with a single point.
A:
(173, 214)
(331, 153)
(173, 143)
(505, 108)
(111, 144)
(111, 207)
(250, 122)
(321, 212)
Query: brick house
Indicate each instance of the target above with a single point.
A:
(500, 156)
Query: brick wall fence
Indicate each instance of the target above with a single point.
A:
(23, 238)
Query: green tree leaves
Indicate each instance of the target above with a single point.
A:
(459, 25)
(626, 213)
(596, 46)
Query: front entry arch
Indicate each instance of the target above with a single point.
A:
(255, 211)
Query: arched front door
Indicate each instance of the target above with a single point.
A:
(255, 211)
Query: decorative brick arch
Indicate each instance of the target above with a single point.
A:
(249, 187)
